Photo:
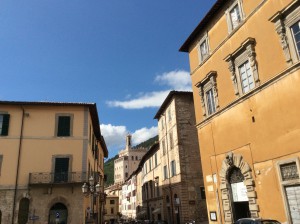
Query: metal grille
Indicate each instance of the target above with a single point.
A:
(289, 171)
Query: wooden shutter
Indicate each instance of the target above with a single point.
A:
(5, 124)
(63, 128)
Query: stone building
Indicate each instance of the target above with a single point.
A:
(151, 186)
(111, 211)
(244, 64)
(127, 162)
(47, 151)
(128, 198)
(181, 174)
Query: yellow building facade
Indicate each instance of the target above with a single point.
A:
(47, 151)
(244, 61)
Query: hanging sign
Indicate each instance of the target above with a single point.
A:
(239, 192)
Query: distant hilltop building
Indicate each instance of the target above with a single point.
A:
(128, 161)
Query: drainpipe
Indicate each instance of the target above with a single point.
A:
(18, 166)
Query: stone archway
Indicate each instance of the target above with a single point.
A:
(59, 204)
(23, 211)
(236, 160)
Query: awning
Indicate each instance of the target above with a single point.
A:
(158, 210)
(142, 213)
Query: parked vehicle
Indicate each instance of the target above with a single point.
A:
(160, 222)
(256, 221)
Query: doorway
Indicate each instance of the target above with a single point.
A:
(23, 211)
(58, 214)
(239, 198)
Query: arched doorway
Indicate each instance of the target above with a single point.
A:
(23, 211)
(58, 214)
(235, 170)
(238, 190)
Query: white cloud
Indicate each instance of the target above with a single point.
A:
(175, 80)
(143, 134)
(153, 99)
(178, 80)
(115, 136)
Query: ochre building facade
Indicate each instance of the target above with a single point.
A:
(47, 151)
(244, 61)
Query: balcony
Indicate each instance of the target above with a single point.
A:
(59, 178)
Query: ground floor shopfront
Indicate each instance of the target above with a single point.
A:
(46, 205)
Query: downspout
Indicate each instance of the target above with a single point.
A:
(18, 166)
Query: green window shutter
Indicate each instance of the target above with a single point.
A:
(63, 128)
(5, 125)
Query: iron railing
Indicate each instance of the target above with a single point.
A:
(60, 178)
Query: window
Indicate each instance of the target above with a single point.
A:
(203, 49)
(162, 124)
(296, 36)
(171, 140)
(111, 210)
(246, 77)
(210, 101)
(165, 172)
(4, 124)
(202, 193)
(163, 146)
(126, 174)
(169, 115)
(173, 168)
(1, 159)
(112, 202)
(64, 125)
(155, 159)
(287, 24)
(234, 15)
(150, 164)
(243, 67)
(209, 94)
(289, 171)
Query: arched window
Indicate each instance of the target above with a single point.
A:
(23, 211)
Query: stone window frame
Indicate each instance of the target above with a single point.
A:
(235, 3)
(71, 124)
(208, 83)
(287, 183)
(203, 40)
(283, 21)
(246, 52)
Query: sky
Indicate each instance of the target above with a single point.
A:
(122, 55)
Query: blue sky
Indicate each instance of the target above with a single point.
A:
(121, 54)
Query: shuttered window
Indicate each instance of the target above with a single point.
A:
(4, 124)
(64, 126)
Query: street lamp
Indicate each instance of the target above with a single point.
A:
(91, 188)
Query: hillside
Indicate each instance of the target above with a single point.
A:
(109, 164)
